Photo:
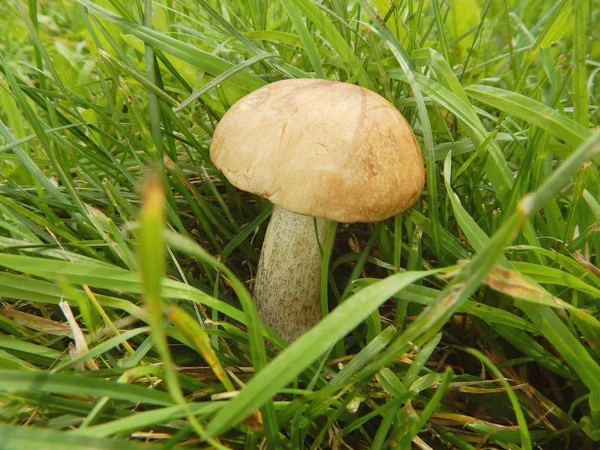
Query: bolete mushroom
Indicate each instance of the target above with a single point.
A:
(316, 149)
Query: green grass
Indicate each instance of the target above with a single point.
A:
(470, 321)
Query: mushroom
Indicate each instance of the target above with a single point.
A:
(316, 149)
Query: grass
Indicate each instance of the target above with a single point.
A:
(470, 321)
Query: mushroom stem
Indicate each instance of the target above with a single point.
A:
(288, 281)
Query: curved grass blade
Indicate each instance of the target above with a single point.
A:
(521, 420)
(307, 40)
(531, 111)
(221, 78)
(106, 277)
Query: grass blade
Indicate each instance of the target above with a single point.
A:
(308, 348)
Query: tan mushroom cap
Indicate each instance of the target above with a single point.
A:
(321, 148)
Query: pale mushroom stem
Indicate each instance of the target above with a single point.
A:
(288, 281)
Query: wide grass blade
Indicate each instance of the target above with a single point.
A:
(309, 347)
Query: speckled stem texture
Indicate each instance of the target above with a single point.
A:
(287, 286)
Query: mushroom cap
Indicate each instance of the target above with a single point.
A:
(321, 148)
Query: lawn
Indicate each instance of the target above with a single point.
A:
(127, 259)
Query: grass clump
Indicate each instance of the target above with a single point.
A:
(470, 321)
